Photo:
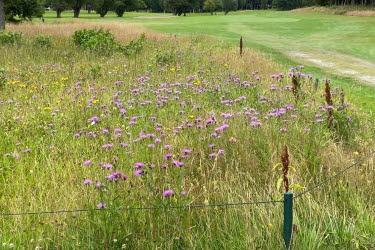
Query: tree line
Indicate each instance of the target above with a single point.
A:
(18, 10)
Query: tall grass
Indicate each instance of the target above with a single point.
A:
(208, 126)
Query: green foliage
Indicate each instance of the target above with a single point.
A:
(165, 57)
(10, 37)
(95, 40)
(120, 8)
(2, 78)
(229, 5)
(16, 10)
(103, 6)
(212, 5)
(43, 41)
(135, 46)
(285, 4)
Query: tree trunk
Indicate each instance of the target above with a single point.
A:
(2, 15)
(76, 12)
(58, 13)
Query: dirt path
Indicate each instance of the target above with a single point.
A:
(359, 69)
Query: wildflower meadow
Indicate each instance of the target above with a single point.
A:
(119, 133)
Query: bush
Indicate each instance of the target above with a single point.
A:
(95, 40)
(2, 78)
(135, 46)
(10, 37)
(43, 41)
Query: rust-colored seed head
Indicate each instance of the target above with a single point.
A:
(285, 163)
(295, 87)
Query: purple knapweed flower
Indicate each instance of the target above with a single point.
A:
(139, 165)
(178, 163)
(101, 205)
(221, 151)
(115, 176)
(212, 155)
(94, 119)
(168, 156)
(186, 151)
(87, 182)
(168, 193)
(139, 172)
(108, 166)
(99, 185)
(87, 163)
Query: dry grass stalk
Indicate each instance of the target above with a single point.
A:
(123, 32)
(241, 46)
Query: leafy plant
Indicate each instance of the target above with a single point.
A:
(135, 46)
(97, 40)
(43, 41)
(10, 37)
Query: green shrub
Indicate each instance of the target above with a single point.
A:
(163, 58)
(10, 37)
(43, 41)
(135, 46)
(95, 40)
(2, 78)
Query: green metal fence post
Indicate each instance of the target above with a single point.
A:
(288, 218)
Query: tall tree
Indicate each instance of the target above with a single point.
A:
(211, 5)
(76, 5)
(229, 5)
(103, 6)
(16, 10)
(59, 6)
(2, 15)
(120, 8)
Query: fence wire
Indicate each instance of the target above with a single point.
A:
(322, 183)
(192, 206)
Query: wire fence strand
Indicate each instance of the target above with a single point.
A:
(322, 183)
(191, 206)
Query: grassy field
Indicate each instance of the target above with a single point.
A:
(329, 46)
(171, 121)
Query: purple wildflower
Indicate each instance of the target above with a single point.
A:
(101, 205)
(139, 172)
(139, 165)
(168, 193)
(87, 163)
(87, 182)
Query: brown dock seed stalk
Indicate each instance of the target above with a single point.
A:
(295, 87)
(329, 103)
(285, 163)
